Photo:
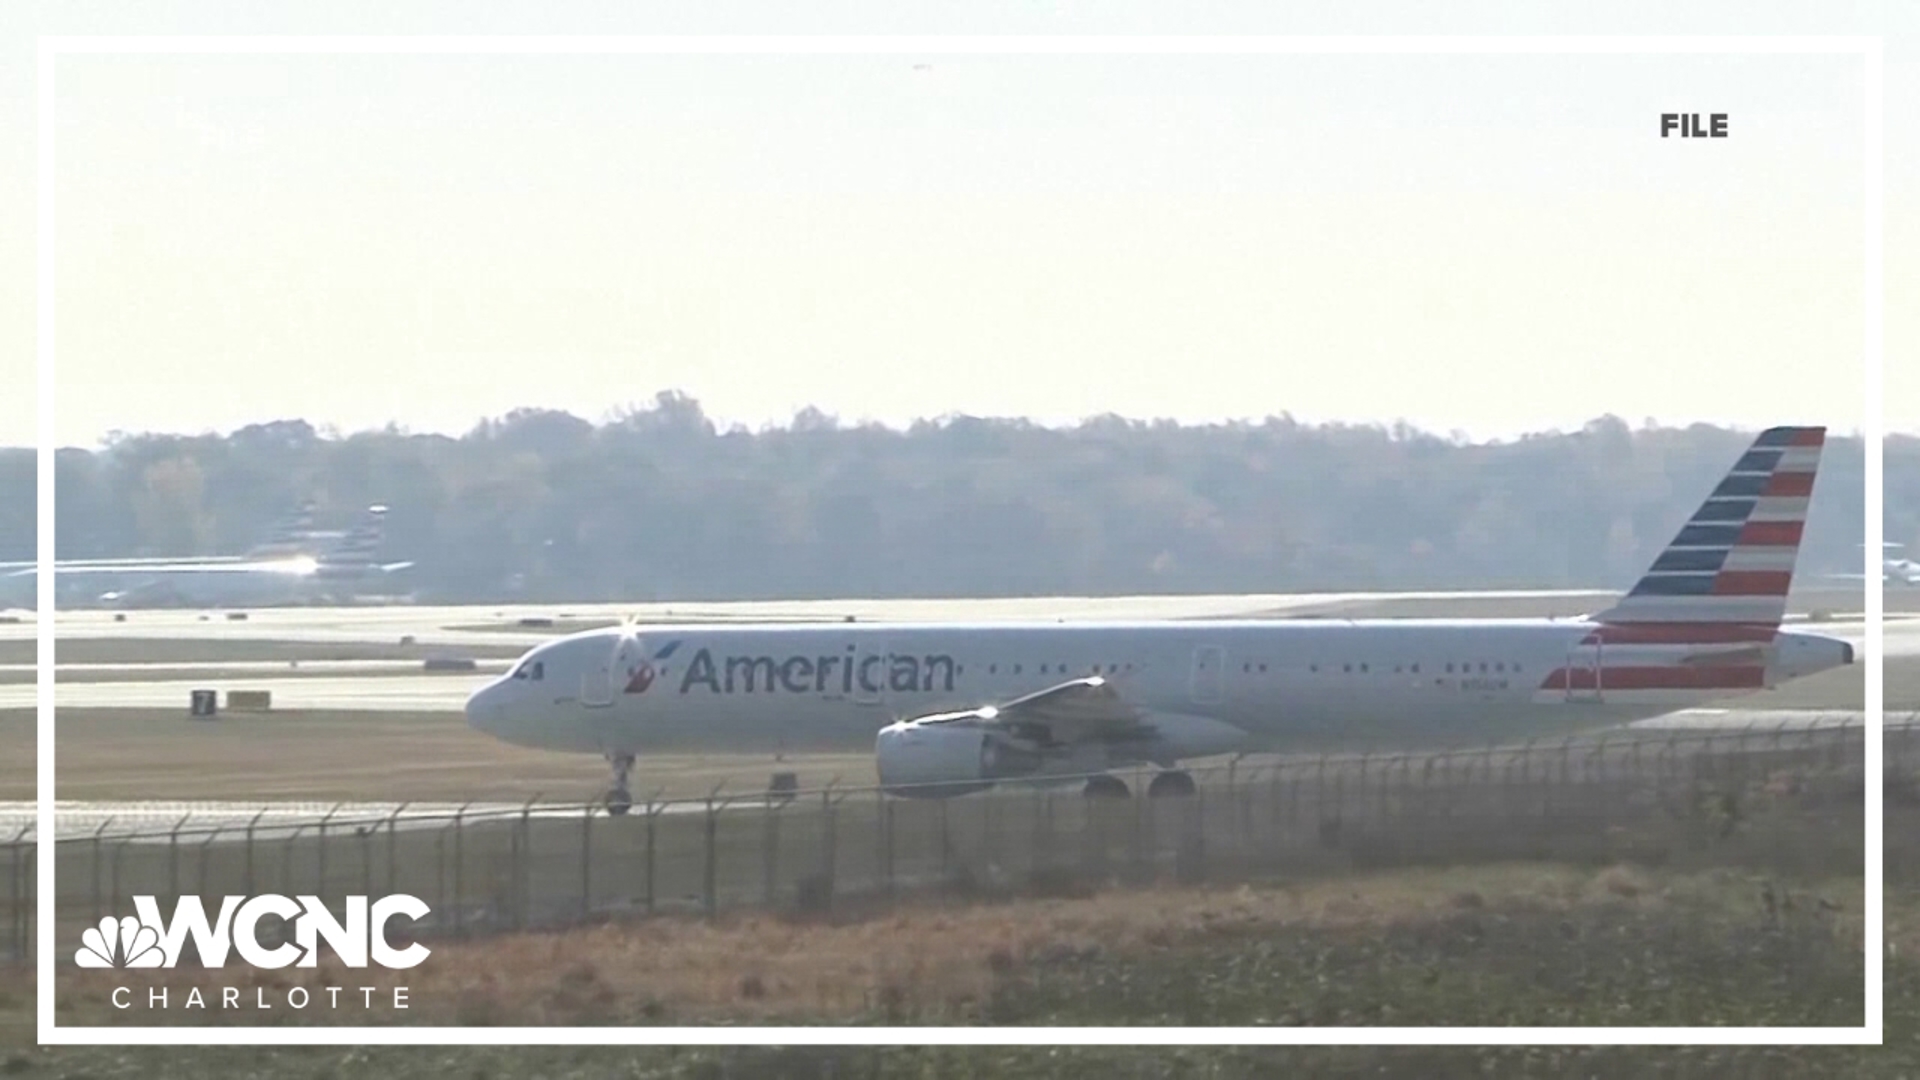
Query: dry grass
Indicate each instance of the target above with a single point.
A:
(944, 959)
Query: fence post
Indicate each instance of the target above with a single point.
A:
(363, 833)
(173, 858)
(459, 869)
(654, 809)
(119, 849)
(519, 868)
(98, 896)
(586, 862)
(251, 822)
(710, 872)
(206, 854)
(286, 859)
(16, 893)
(320, 855)
(886, 840)
(770, 847)
(393, 842)
(828, 839)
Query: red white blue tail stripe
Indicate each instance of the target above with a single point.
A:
(1702, 621)
(1726, 575)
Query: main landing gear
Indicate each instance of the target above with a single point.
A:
(618, 800)
(1171, 784)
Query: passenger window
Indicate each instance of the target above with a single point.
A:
(1016, 669)
(1363, 669)
(1483, 667)
(993, 669)
(539, 670)
(1416, 669)
(1500, 667)
(1263, 669)
(1449, 667)
(1347, 668)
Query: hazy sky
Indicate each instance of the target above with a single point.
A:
(1477, 243)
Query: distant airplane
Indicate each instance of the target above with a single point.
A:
(958, 708)
(1893, 569)
(293, 535)
(303, 564)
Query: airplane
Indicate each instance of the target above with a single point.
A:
(958, 708)
(342, 567)
(291, 537)
(1893, 569)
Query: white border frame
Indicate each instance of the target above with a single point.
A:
(1869, 49)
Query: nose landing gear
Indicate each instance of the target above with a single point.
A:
(618, 800)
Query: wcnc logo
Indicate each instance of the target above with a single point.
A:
(148, 941)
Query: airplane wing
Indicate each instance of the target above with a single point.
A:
(1079, 711)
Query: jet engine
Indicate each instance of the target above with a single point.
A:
(941, 757)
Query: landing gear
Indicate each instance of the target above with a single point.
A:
(1172, 784)
(617, 799)
(1107, 787)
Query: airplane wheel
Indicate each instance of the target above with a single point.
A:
(1170, 785)
(1107, 787)
(618, 802)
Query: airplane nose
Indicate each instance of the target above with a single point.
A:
(484, 710)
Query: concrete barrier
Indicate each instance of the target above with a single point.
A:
(449, 663)
(250, 700)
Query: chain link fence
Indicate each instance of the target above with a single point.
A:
(492, 869)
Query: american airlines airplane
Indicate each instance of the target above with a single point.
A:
(956, 708)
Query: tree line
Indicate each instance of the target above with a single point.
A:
(659, 502)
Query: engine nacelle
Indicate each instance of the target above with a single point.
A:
(945, 758)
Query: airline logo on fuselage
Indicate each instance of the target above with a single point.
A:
(640, 674)
(839, 673)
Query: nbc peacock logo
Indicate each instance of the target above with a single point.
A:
(120, 943)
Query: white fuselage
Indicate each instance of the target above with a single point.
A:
(1271, 682)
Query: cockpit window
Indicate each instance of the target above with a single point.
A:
(534, 670)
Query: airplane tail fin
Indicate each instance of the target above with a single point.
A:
(361, 543)
(1724, 578)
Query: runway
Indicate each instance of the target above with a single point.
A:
(372, 693)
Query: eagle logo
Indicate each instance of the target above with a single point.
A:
(640, 675)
